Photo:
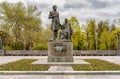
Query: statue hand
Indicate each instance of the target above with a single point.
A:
(53, 15)
(60, 25)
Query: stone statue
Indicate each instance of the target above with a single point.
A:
(66, 31)
(55, 24)
(62, 34)
(60, 48)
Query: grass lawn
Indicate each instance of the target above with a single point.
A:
(96, 65)
(23, 65)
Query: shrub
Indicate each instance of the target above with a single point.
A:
(41, 46)
(8, 48)
(18, 46)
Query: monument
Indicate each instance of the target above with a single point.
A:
(60, 50)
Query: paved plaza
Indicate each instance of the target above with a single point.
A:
(59, 77)
(6, 59)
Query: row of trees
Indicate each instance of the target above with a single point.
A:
(94, 35)
(20, 28)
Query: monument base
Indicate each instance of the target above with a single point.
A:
(59, 51)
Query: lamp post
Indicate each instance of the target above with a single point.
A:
(1, 47)
(118, 34)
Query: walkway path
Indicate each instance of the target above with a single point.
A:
(6, 59)
(59, 76)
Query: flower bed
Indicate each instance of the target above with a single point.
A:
(96, 65)
(23, 65)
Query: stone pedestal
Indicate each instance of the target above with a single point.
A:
(59, 51)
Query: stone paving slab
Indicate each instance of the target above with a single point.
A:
(60, 68)
(7, 59)
(76, 61)
(59, 72)
(113, 59)
(59, 76)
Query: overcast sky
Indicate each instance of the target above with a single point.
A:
(84, 10)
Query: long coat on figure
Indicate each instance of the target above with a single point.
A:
(54, 15)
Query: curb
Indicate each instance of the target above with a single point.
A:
(59, 72)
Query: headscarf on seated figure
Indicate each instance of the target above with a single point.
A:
(66, 32)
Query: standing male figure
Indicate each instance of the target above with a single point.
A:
(55, 24)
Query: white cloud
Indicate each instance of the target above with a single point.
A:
(82, 9)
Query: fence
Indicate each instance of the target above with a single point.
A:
(75, 53)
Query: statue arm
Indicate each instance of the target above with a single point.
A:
(50, 15)
(59, 19)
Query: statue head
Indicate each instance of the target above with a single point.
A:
(66, 20)
(54, 7)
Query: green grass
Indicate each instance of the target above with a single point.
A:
(96, 65)
(23, 65)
